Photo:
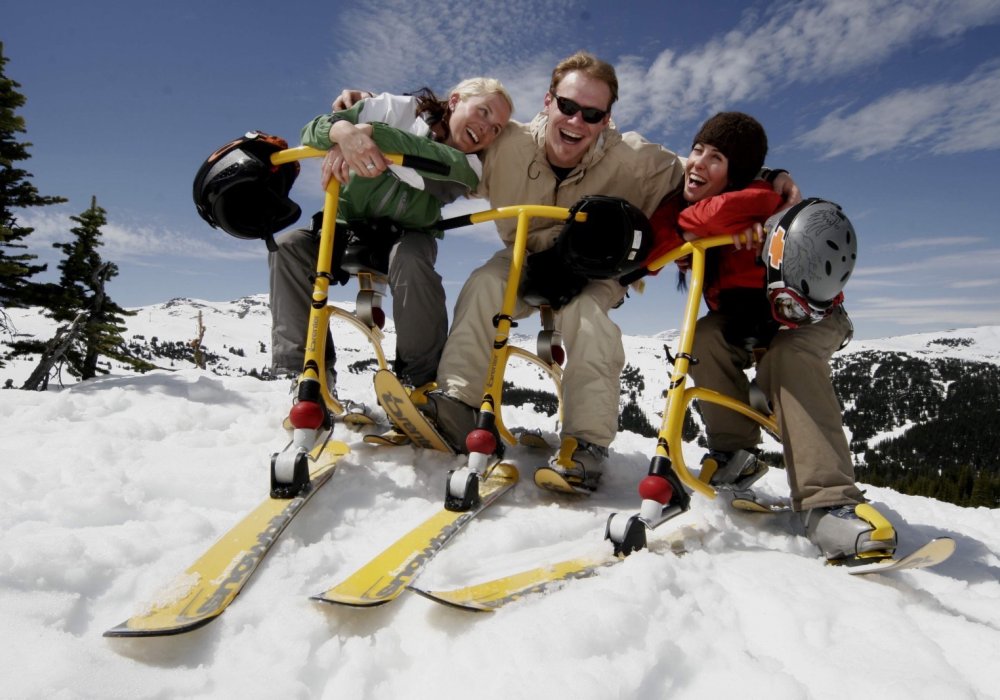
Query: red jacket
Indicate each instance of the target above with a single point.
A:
(727, 214)
(724, 214)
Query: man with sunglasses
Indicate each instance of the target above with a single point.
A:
(569, 150)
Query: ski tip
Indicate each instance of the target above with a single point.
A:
(504, 470)
(131, 628)
(533, 440)
(751, 505)
(337, 447)
(929, 554)
(121, 630)
(549, 479)
(350, 601)
(443, 598)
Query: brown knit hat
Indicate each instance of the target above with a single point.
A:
(742, 141)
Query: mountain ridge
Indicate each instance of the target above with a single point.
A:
(913, 404)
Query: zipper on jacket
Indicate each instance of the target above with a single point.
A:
(401, 205)
(387, 196)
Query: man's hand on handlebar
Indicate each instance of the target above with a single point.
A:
(348, 98)
(786, 187)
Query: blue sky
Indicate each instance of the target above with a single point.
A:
(891, 109)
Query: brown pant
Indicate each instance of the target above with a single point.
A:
(794, 374)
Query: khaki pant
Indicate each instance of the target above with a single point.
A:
(795, 376)
(595, 356)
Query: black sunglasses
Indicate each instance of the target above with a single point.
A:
(591, 115)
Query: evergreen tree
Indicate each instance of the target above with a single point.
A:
(81, 300)
(633, 418)
(16, 191)
(633, 383)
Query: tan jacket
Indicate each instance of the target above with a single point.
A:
(617, 165)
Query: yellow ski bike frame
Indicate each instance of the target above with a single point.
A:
(315, 407)
(667, 463)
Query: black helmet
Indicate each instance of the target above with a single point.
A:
(238, 190)
(810, 252)
(613, 241)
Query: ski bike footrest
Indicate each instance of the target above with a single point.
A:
(628, 532)
(462, 490)
(289, 473)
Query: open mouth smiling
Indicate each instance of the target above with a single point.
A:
(570, 136)
(694, 181)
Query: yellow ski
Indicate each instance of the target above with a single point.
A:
(487, 596)
(386, 576)
(208, 586)
(490, 595)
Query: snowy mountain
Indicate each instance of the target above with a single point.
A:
(899, 393)
(110, 488)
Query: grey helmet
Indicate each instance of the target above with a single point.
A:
(809, 251)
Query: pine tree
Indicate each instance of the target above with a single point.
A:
(97, 321)
(16, 191)
(632, 381)
(633, 418)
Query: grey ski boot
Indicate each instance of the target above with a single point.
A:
(732, 471)
(850, 532)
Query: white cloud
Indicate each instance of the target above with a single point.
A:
(943, 290)
(938, 242)
(929, 267)
(973, 283)
(401, 45)
(796, 43)
(132, 242)
(933, 311)
(942, 119)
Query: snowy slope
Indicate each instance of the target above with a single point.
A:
(109, 489)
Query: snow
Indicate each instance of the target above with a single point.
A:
(110, 488)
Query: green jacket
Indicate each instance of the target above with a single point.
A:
(387, 196)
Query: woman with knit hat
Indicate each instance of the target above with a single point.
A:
(720, 196)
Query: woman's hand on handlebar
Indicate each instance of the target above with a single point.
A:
(753, 238)
(354, 150)
(334, 166)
